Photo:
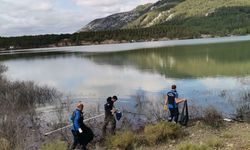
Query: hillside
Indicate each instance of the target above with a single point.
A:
(221, 17)
(116, 21)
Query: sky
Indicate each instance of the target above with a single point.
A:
(33, 17)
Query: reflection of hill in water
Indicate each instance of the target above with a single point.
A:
(228, 59)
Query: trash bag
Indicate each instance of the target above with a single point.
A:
(184, 118)
(118, 115)
(86, 136)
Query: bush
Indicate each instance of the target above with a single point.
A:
(243, 113)
(190, 146)
(243, 108)
(213, 118)
(152, 135)
(57, 145)
(161, 132)
(122, 140)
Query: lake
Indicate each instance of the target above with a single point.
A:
(207, 75)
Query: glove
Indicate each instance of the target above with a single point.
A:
(165, 108)
(80, 130)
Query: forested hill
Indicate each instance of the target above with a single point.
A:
(206, 16)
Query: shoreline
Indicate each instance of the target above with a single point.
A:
(117, 47)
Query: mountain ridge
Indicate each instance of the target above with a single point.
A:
(116, 21)
(205, 15)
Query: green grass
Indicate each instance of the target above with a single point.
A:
(57, 145)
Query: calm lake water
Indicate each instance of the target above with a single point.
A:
(212, 74)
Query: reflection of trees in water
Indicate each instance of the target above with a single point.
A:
(230, 59)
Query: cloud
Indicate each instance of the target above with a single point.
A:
(96, 2)
(36, 17)
(109, 5)
(26, 5)
(32, 17)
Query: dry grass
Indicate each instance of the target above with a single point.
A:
(152, 135)
(162, 132)
(202, 137)
(124, 140)
(57, 145)
(4, 144)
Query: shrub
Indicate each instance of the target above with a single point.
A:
(161, 132)
(123, 140)
(212, 117)
(243, 108)
(2, 68)
(57, 145)
(190, 146)
(18, 101)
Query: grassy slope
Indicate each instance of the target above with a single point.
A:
(198, 137)
(233, 136)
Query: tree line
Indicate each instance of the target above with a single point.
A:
(138, 34)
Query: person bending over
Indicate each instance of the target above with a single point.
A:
(172, 101)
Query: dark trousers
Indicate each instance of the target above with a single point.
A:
(77, 141)
(174, 114)
(109, 119)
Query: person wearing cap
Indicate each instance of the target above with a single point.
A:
(109, 115)
(172, 101)
(77, 119)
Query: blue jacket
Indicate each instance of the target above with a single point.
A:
(171, 99)
(77, 119)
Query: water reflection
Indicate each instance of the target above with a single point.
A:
(231, 59)
(207, 74)
(83, 77)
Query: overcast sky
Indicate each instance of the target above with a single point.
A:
(31, 17)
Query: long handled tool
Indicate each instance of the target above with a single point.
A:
(48, 133)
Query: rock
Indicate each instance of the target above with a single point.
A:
(116, 21)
